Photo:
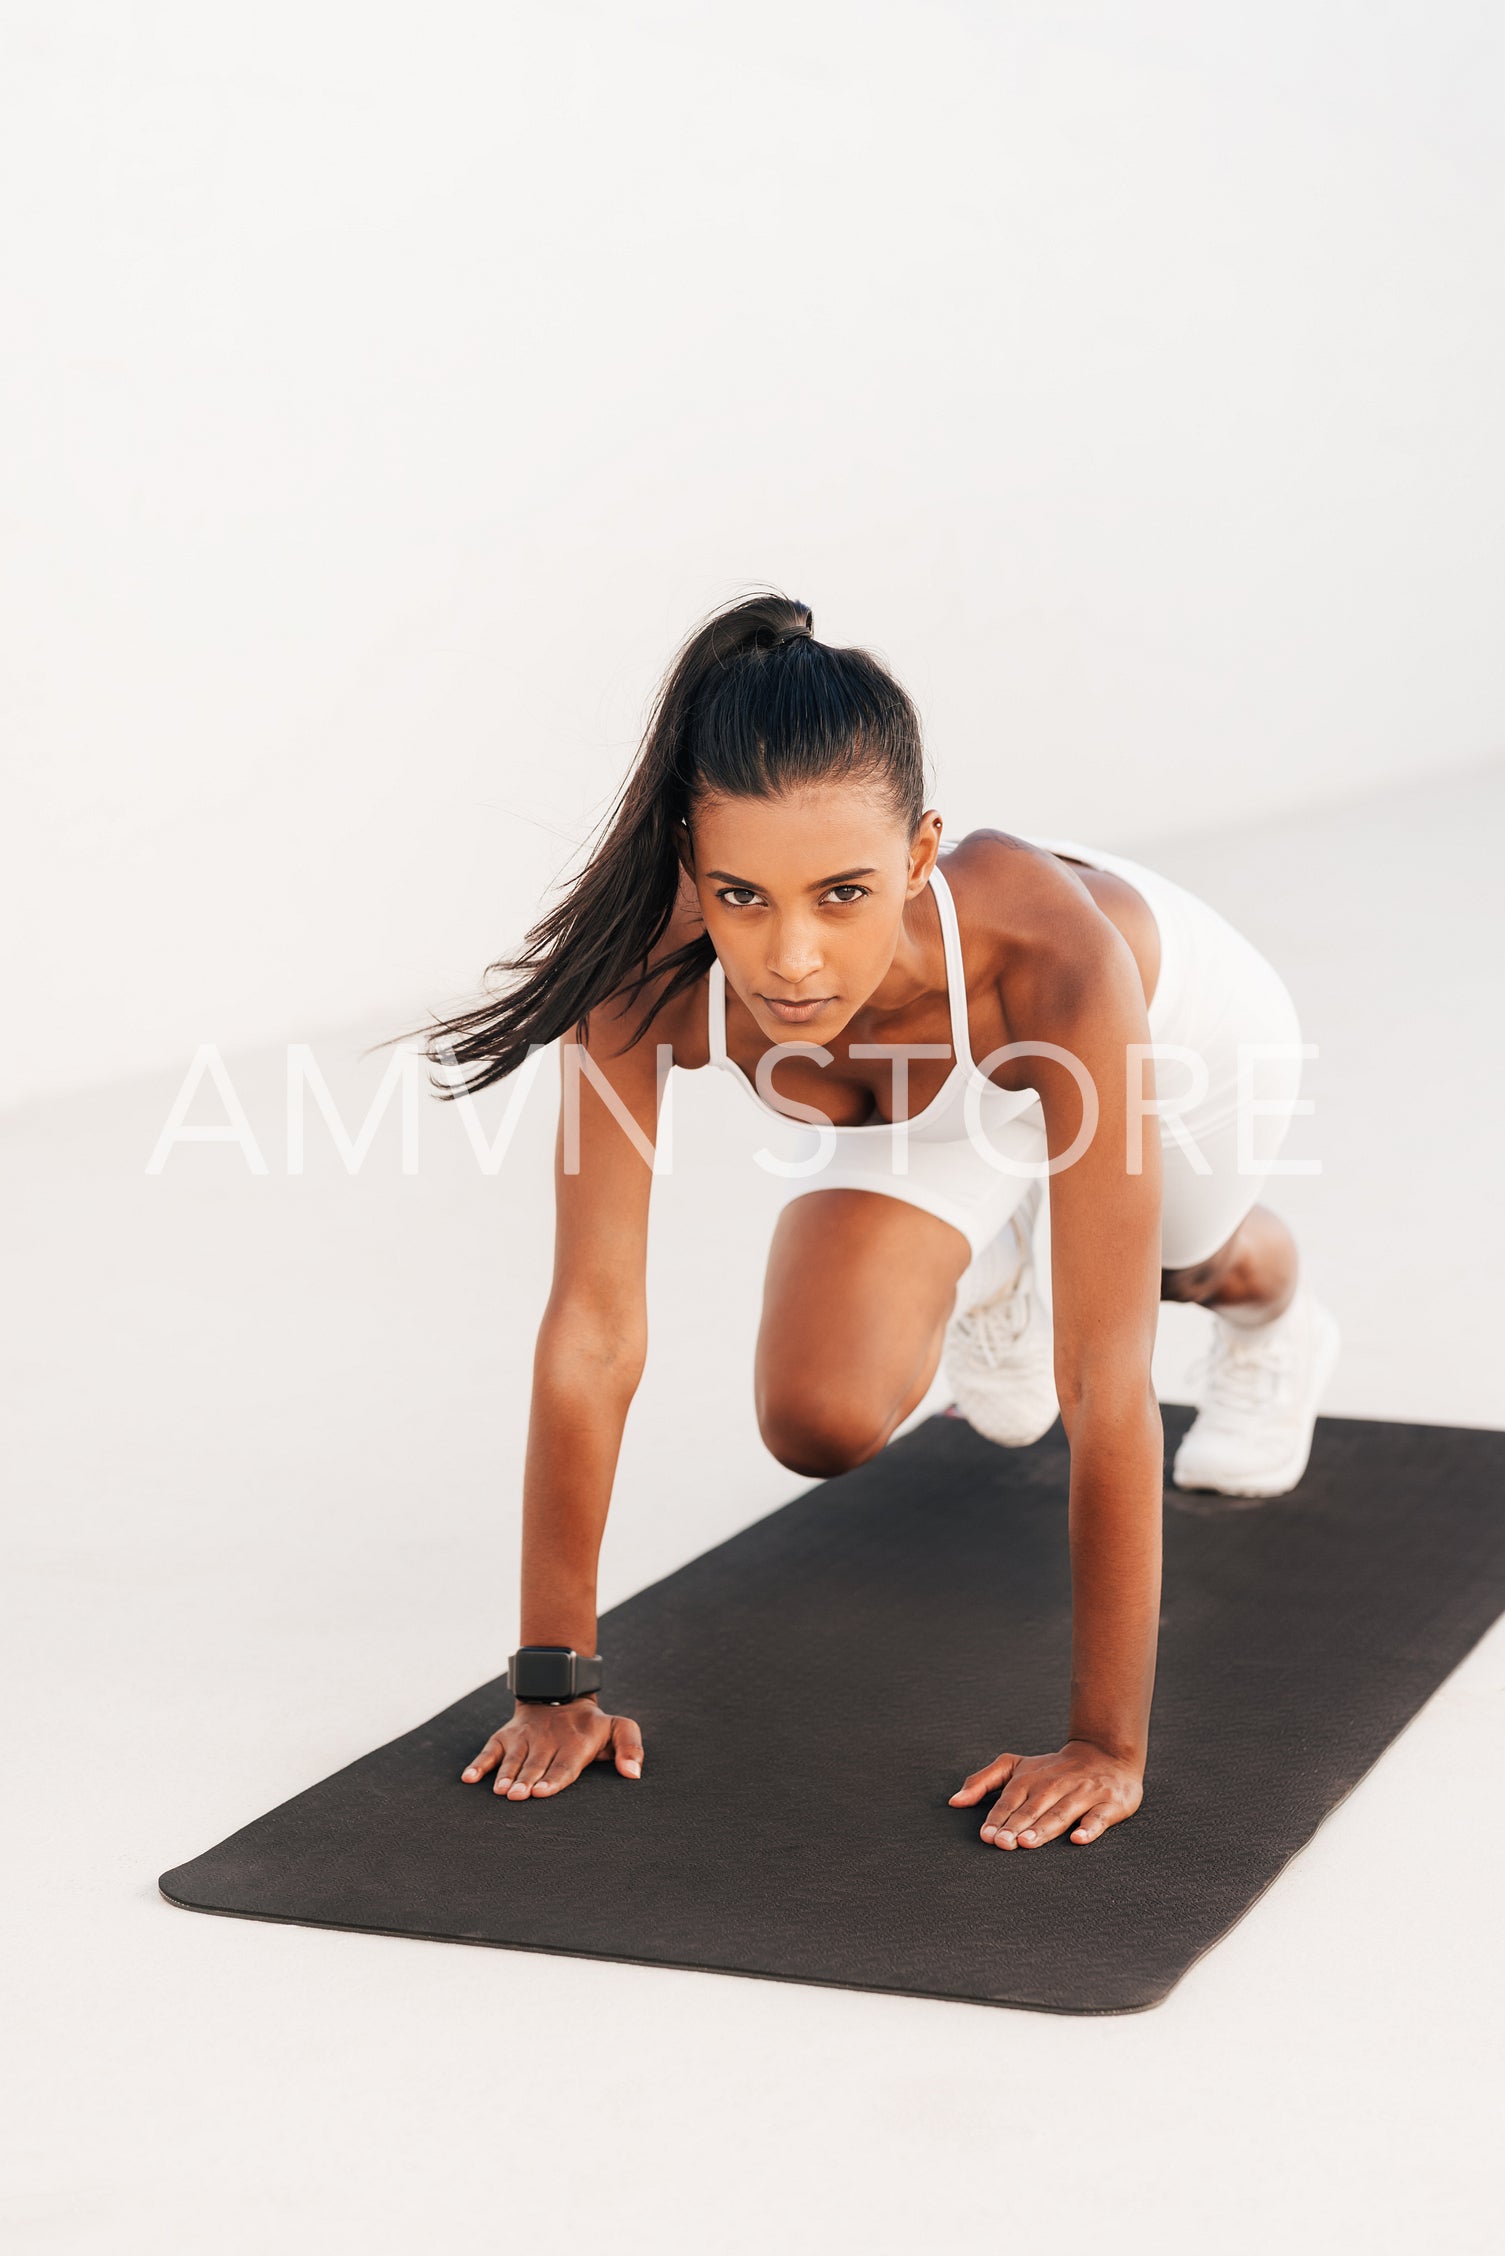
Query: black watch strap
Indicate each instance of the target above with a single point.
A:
(551, 1675)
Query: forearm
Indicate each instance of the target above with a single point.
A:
(583, 1384)
(1117, 1481)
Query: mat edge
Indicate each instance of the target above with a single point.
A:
(685, 1966)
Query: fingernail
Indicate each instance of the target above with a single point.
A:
(633, 1770)
(544, 1786)
(1007, 1839)
(517, 1793)
(469, 1773)
(1029, 1836)
(988, 1832)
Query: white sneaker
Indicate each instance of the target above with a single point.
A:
(1259, 1387)
(1000, 1350)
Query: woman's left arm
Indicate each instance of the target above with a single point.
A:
(1083, 995)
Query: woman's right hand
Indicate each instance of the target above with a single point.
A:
(544, 1749)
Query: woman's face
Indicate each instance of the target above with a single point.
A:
(804, 897)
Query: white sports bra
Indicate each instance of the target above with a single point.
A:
(945, 1119)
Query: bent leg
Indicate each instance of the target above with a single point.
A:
(858, 1294)
(1219, 1246)
(1271, 1350)
(1253, 1272)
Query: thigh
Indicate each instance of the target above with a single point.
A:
(1200, 1212)
(857, 1296)
(1216, 1169)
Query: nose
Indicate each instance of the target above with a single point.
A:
(795, 955)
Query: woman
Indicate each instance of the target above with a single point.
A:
(771, 898)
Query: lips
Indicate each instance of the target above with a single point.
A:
(796, 1014)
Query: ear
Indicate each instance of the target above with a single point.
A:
(684, 846)
(923, 853)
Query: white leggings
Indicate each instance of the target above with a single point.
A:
(1216, 995)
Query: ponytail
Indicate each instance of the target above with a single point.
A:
(753, 705)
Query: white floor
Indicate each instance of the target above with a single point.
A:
(264, 1436)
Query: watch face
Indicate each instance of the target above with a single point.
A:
(543, 1675)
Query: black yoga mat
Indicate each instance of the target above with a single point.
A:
(813, 1690)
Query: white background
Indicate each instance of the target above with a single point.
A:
(394, 388)
(399, 384)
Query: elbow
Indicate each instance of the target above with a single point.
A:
(594, 1350)
(1113, 1400)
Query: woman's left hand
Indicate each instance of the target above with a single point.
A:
(1082, 1786)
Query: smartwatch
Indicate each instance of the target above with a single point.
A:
(552, 1675)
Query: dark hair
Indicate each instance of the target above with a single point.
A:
(752, 706)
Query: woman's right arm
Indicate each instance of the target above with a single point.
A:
(589, 1359)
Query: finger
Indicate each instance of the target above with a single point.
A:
(530, 1770)
(1032, 1812)
(513, 1758)
(1002, 1816)
(1096, 1821)
(488, 1758)
(1049, 1823)
(628, 1743)
(569, 1758)
(562, 1769)
(984, 1781)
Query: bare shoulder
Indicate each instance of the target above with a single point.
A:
(641, 1022)
(1058, 944)
(1016, 899)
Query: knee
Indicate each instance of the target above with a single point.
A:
(819, 1436)
(1200, 1278)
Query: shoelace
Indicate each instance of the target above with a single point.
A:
(995, 1329)
(1240, 1373)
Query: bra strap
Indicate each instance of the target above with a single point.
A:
(715, 1012)
(956, 970)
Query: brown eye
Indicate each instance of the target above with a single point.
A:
(736, 896)
(846, 893)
